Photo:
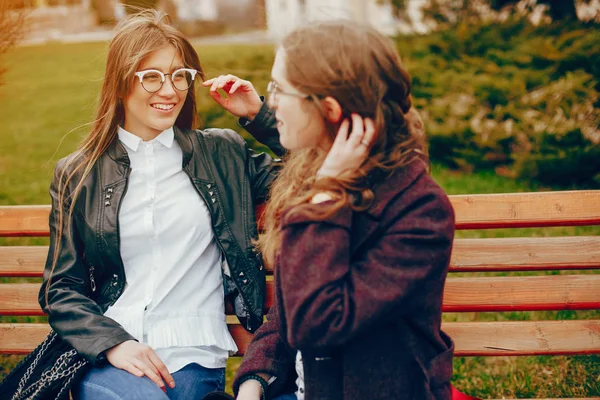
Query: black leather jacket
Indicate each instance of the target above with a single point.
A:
(89, 275)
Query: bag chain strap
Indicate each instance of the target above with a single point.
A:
(43, 347)
(61, 369)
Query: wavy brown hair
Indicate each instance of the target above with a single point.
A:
(361, 69)
(136, 37)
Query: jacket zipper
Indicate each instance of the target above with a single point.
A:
(121, 265)
(92, 281)
(248, 326)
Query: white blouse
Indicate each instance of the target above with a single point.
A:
(173, 299)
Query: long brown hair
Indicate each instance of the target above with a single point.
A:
(136, 37)
(361, 69)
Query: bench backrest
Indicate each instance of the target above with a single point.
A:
(569, 289)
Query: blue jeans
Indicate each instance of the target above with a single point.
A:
(191, 382)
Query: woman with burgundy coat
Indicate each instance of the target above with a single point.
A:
(359, 235)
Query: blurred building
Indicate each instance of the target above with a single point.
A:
(196, 10)
(285, 15)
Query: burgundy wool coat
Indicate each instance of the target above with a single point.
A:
(360, 295)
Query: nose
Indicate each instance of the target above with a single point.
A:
(167, 89)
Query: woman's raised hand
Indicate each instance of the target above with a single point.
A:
(139, 359)
(241, 98)
(348, 152)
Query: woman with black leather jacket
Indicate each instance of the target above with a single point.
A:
(152, 225)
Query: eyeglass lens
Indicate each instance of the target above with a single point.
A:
(181, 79)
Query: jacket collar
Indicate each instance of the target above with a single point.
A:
(133, 142)
(394, 184)
(116, 150)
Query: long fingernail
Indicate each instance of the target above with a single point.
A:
(172, 384)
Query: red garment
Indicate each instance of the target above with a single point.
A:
(360, 294)
(456, 395)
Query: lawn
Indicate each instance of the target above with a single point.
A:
(48, 96)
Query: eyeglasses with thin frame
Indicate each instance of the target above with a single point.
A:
(152, 80)
(273, 90)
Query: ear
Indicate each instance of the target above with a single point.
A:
(333, 110)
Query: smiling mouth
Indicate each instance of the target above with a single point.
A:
(163, 107)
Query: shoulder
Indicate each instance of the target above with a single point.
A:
(428, 193)
(221, 141)
(422, 199)
(222, 137)
(66, 165)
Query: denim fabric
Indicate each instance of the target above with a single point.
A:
(109, 383)
(288, 396)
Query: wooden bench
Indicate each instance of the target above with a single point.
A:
(572, 289)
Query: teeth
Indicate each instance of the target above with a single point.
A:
(163, 106)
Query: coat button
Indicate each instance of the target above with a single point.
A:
(241, 273)
(209, 186)
(109, 190)
(213, 199)
(245, 281)
(107, 203)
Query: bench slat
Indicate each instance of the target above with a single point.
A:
(525, 254)
(514, 338)
(513, 210)
(480, 211)
(22, 261)
(516, 293)
(24, 220)
(469, 255)
(522, 293)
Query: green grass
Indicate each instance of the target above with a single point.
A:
(49, 91)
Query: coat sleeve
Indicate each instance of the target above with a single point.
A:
(77, 318)
(268, 353)
(262, 167)
(330, 297)
(264, 129)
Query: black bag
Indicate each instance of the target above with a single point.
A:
(46, 373)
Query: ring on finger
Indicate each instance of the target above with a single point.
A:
(364, 143)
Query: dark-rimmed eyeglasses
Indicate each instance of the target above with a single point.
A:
(273, 90)
(152, 80)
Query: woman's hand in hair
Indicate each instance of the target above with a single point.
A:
(139, 359)
(241, 98)
(349, 151)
